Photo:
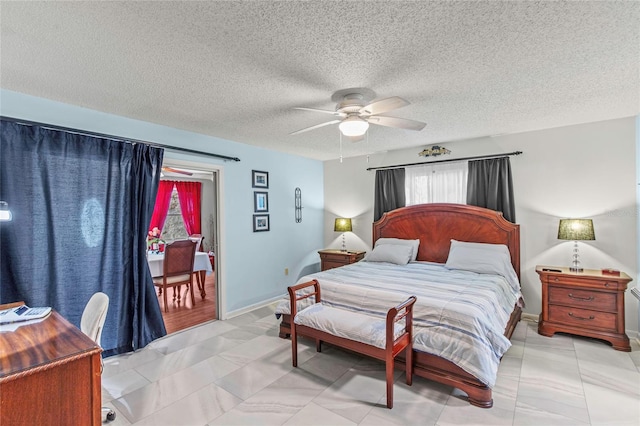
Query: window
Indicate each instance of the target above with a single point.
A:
(174, 228)
(436, 183)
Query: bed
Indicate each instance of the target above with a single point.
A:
(369, 285)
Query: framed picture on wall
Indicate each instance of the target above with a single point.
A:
(259, 179)
(260, 202)
(260, 222)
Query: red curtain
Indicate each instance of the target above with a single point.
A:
(189, 196)
(162, 204)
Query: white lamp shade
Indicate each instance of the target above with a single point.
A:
(353, 126)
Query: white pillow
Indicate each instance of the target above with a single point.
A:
(414, 244)
(392, 253)
(482, 258)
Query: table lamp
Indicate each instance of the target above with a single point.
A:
(576, 230)
(342, 225)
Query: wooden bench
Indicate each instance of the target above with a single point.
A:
(357, 332)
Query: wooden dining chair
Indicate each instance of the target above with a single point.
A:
(200, 275)
(197, 238)
(177, 270)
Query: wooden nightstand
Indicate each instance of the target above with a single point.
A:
(334, 258)
(587, 303)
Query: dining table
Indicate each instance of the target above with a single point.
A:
(201, 267)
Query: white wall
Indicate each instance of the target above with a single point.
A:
(583, 171)
(251, 265)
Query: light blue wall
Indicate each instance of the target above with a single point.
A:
(254, 263)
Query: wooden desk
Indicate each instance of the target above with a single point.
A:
(49, 375)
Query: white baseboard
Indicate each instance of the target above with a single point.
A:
(250, 308)
(530, 317)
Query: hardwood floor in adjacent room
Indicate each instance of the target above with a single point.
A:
(186, 315)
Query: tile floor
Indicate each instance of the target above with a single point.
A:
(238, 372)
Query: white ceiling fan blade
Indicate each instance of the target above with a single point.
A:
(317, 126)
(401, 123)
(384, 105)
(325, 111)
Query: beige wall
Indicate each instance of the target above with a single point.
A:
(575, 171)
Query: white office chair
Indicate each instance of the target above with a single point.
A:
(91, 324)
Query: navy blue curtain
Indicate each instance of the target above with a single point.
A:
(81, 208)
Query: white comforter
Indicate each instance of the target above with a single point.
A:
(459, 315)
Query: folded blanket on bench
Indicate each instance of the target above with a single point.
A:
(350, 325)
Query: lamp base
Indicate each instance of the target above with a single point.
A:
(575, 265)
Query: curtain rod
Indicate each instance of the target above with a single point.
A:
(116, 138)
(477, 157)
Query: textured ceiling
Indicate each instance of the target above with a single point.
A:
(235, 70)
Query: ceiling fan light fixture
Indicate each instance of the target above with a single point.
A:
(353, 126)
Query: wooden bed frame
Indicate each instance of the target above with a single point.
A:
(436, 225)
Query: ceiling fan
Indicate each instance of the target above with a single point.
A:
(355, 113)
(172, 170)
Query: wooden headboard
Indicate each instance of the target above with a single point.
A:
(437, 224)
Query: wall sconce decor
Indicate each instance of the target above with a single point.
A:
(576, 230)
(434, 151)
(343, 225)
(298, 197)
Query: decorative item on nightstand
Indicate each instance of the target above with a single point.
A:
(576, 230)
(343, 225)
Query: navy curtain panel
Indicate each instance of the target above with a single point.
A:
(490, 185)
(81, 209)
(389, 191)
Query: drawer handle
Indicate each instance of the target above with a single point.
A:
(584, 299)
(581, 318)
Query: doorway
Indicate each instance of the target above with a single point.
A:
(181, 313)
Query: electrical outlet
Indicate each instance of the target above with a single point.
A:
(286, 271)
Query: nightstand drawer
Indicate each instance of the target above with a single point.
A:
(582, 298)
(333, 263)
(343, 259)
(582, 282)
(582, 317)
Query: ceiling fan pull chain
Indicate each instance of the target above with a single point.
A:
(340, 147)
